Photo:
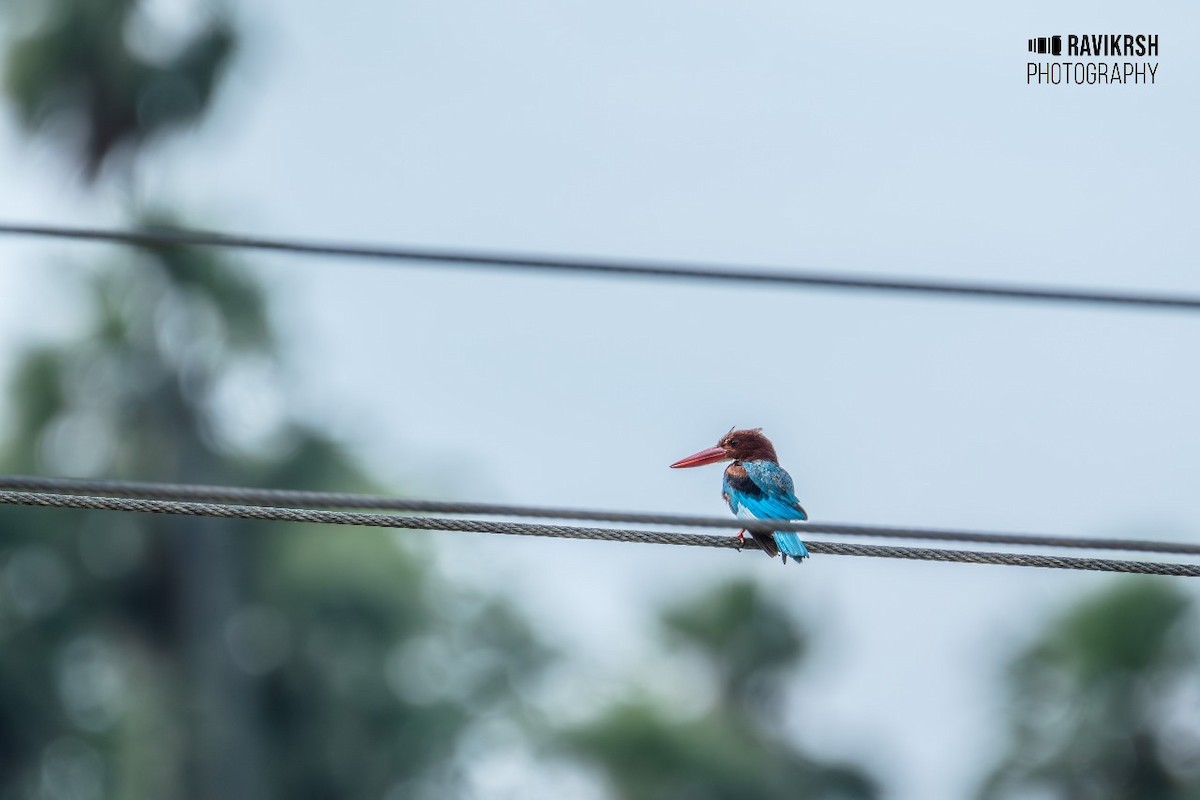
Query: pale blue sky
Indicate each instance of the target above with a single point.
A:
(854, 137)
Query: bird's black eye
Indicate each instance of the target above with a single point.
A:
(733, 442)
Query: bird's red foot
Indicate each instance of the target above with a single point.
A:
(741, 537)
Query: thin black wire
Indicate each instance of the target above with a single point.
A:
(610, 266)
(346, 500)
(227, 511)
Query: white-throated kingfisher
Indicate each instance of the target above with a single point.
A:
(756, 487)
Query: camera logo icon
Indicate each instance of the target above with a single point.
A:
(1051, 45)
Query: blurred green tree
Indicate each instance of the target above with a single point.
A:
(98, 73)
(190, 658)
(1103, 705)
(752, 646)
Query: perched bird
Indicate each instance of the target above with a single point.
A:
(756, 487)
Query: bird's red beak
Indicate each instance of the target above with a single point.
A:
(710, 456)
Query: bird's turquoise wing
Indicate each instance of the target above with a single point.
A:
(764, 490)
(777, 494)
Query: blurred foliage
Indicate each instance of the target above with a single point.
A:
(164, 657)
(195, 658)
(753, 648)
(1104, 705)
(752, 644)
(82, 74)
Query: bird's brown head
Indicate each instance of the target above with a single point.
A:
(737, 445)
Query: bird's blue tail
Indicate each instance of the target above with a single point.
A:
(790, 544)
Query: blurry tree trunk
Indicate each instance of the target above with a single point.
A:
(226, 757)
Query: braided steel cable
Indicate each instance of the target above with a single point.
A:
(227, 511)
(346, 500)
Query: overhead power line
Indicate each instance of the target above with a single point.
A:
(347, 500)
(229, 511)
(612, 266)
